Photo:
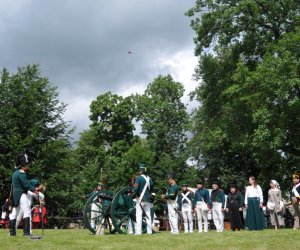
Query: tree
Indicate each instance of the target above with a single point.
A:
(101, 149)
(233, 37)
(165, 123)
(31, 119)
(111, 117)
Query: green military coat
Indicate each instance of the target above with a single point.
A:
(21, 184)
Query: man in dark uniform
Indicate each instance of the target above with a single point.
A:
(172, 202)
(295, 198)
(202, 200)
(143, 189)
(21, 184)
(218, 205)
(186, 206)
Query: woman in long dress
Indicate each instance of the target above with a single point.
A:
(235, 202)
(254, 204)
(276, 207)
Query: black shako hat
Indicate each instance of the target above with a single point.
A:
(23, 160)
(171, 175)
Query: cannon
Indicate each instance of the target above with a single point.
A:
(112, 211)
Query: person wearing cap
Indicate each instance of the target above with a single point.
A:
(218, 203)
(186, 205)
(234, 205)
(20, 185)
(172, 202)
(143, 189)
(295, 198)
(201, 201)
(254, 204)
(275, 205)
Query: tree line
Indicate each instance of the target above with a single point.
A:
(247, 121)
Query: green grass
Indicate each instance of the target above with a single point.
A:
(80, 239)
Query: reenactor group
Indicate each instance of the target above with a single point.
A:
(179, 203)
(183, 203)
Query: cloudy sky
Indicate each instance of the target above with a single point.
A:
(82, 46)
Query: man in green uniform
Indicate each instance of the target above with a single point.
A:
(143, 189)
(186, 206)
(21, 184)
(218, 203)
(172, 199)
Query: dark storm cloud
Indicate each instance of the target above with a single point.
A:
(82, 46)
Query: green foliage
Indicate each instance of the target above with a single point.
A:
(163, 115)
(31, 119)
(249, 89)
(111, 117)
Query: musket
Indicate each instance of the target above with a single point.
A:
(176, 210)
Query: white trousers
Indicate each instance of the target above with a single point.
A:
(202, 213)
(24, 204)
(146, 206)
(218, 216)
(187, 220)
(173, 217)
(21, 214)
(95, 208)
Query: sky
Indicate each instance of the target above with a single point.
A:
(82, 46)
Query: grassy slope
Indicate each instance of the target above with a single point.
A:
(80, 239)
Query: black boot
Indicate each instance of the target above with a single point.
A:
(26, 228)
(12, 227)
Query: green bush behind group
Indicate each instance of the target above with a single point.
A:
(246, 121)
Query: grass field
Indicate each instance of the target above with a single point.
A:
(285, 239)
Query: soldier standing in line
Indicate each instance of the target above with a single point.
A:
(186, 205)
(172, 199)
(202, 200)
(143, 189)
(21, 184)
(218, 203)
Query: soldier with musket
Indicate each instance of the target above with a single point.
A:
(172, 202)
(20, 186)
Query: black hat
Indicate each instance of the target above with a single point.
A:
(233, 185)
(216, 182)
(22, 160)
(171, 175)
(184, 185)
(200, 182)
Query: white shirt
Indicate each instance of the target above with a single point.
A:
(253, 192)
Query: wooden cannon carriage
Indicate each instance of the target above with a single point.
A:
(111, 211)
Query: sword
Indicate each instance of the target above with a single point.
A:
(178, 212)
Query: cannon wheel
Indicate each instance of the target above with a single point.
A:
(97, 213)
(122, 212)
